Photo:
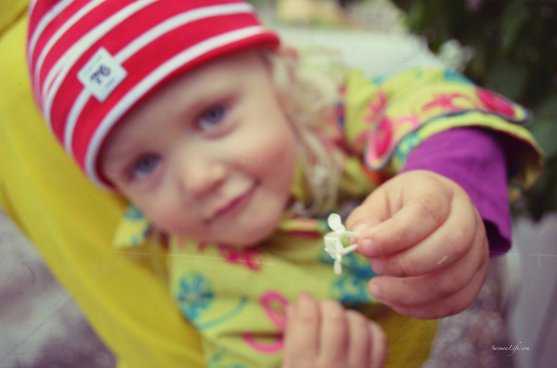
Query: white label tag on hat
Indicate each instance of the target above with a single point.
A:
(102, 74)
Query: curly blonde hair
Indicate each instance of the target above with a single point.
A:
(309, 99)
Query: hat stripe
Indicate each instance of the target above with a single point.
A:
(32, 4)
(180, 20)
(30, 10)
(62, 67)
(44, 22)
(60, 32)
(150, 81)
(143, 40)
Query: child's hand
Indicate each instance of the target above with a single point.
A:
(426, 240)
(324, 334)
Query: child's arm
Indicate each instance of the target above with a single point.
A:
(324, 334)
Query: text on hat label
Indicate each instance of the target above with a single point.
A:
(102, 74)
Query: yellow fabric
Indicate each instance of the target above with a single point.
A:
(387, 118)
(223, 292)
(237, 299)
(10, 11)
(72, 225)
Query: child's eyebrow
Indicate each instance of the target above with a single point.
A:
(201, 97)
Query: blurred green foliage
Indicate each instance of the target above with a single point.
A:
(514, 44)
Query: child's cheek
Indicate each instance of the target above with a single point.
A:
(269, 157)
(172, 222)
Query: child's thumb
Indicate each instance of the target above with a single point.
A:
(366, 215)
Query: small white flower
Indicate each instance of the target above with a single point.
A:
(333, 241)
(335, 223)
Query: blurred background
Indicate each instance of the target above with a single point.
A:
(509, 46)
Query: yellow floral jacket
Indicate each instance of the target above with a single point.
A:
(236, 299)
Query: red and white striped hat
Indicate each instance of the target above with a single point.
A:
(91, 61)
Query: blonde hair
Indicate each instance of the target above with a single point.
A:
(310, 100)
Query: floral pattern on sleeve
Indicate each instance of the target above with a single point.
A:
(384, 120)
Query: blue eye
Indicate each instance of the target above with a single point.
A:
(145, 165)
(211, 117)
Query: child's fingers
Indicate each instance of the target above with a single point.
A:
(334, 335)
(302, 333)
(360, 343)
(414, 221)
(368, 214)
(444, 246)
(439, 285)
(446, 307)
(378, 346)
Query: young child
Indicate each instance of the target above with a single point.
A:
(195, 113)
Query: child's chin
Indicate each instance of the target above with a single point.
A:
(251, 239)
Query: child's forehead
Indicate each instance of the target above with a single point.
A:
(222, 75)
(228, 65)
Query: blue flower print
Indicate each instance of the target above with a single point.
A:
(359, 266)
(134, 214)
(216, 362)
(194, 296)
(350, 288)
(406, 145)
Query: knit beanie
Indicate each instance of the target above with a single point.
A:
(91, 61)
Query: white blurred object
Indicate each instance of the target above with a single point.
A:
(333, 241)
(378, 55)
(531, 315)
(455, 56)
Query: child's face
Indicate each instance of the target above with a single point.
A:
(211, 156)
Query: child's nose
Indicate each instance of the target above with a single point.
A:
(199, 176)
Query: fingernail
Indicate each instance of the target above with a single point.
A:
(377, 267)
(374, 290)
(365, 245)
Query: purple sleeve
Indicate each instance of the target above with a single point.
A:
(475, 159)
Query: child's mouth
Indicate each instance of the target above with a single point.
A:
(236, 204)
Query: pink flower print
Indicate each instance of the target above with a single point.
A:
(380, 140)
(448, 102)
(274, 304)
(495, 103)
(406, 123)
(376, 107)
(248, 258)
